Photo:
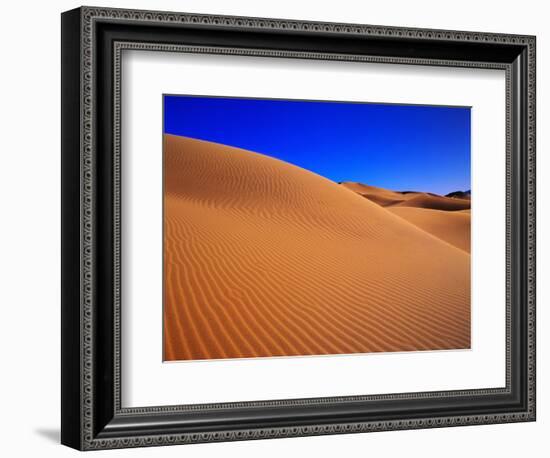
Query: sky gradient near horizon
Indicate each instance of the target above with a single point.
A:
(398, 147)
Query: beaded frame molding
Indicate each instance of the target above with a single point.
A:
(93, 40)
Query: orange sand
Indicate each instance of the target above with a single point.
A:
(425, 200)
(451, 226)
(263, 258)
(380, 196)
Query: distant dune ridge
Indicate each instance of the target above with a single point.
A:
(387, 198)
(263, 258)
(446, 217)
(424, 200)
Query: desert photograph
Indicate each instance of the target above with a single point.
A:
(302, 228)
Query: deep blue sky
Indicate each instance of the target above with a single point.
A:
(399, 147)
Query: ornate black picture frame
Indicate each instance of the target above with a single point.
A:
(92, 42)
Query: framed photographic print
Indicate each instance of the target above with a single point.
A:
(276, 228)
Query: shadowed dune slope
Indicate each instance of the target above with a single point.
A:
(460, 195)
(451, 226)
(263, 258)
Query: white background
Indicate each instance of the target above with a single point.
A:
(30, 245)
(147, 75)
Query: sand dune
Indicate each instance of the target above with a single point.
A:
(446, 217)
(263, 258)
(451, 226)
(387, 198)
(380, 196)
(425, 200)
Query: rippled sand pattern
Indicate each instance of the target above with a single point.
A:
(263, 258)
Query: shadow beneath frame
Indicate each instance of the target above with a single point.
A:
(52, 435)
